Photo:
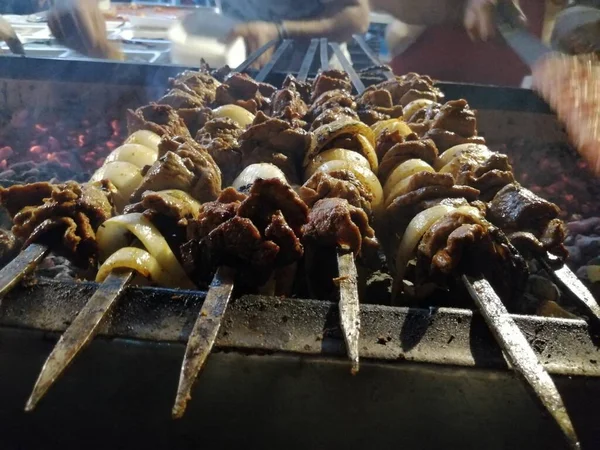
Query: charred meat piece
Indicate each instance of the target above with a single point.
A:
(423, 149)
(277, 142)
(160, 119)
(401, 85)
(340, 184)
(333, 114)
(213, 214)
(376, 104)
(331, 80)
(203, 85)
(456, 116)
(195, 118)
(169, 203)
(220, 138)
(240, 89)
(330, 100)
(333, 222)
(447, 139)
(178, 98)
(185, 167)
(66, 220)
(287, 104)
(304, 88)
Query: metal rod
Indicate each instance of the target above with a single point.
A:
(262, 75)
(203, 336)
(349, 305)
(573, 287)
(371, 55)
(354, 78)
(21, 266)
(520, 355)
(308, 59)
(83, 329)
(255, 55)
(324, 54)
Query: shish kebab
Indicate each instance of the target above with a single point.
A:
(100, 274)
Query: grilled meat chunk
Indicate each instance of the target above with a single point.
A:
(287, 104)
(186, 167)
(454, 124)
(65, 216)
(240, 89)
(160, 119)
(203, 85)
(330, 80)
(220, 138)
(333, 114)
(340, 184)
(275, 141)
(178, 98)
(401, 85)
(423, 149)
(330, 100)
(303, 88)
(195, 118)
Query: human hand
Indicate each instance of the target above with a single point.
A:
(79, 24)
(480, 18)
(255, 35)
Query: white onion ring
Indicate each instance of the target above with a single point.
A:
(136, 154)
(239, 115)
(335, 154)
(145, 138)
(405, 170)
(138, 260)
(253, 172)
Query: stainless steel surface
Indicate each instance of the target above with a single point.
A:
(203, 336)
(349, 306)
(25, 263)
(521, 356)
(79, 333)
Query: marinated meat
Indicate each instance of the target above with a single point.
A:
(9, 246)
(304, 88)
(400, 86)
(373, 96)
(424, 115)
(186, 168)
(268, 196)
(371, 116)
(457, 117)
(329, 100)
(213, 214)
(178, 98)
(516, 208)
(220, 138)
(66, 220)
(423, 149)
(240, 89)
(447, 139)
(553, 238)
(335, 222)
(287, 104)
(376, 104)
(201, 83)
(160, 119)
(332, 115)
(414, 94)
(168, 203)
(195, 118)
(341, 184)
(330, 80)
(277, 142)
(387, 140)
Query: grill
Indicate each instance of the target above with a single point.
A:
(279, 369)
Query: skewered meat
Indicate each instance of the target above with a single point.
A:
(160, 119)
(64, 216)
(333, 114)
(220, 138)
(255, 234)
(203, 85)
(277, 142)
(340, 184)
(195, 118)
(333, 222)
(420, 85)
(287, 104)
(178, 99)
(304, 88)
(184, 166)
(330, 100)
(330, 80)
(240, 89)
(455, 123)
(423, 149)
(172, 203)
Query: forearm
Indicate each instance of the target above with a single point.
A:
(422, 12)
(340, 26)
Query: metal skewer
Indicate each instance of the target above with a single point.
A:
(21, 266)
(308, 59)
(520, 355)
(203, 335)
(85, 326)
(349, 305)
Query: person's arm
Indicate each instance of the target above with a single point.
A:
(339, 21)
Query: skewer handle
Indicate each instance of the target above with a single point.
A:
(21, 266)
(81, 331)
(520, 355)
(203, 336)
(349, 305)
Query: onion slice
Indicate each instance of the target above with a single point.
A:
(239, 115)
(335, 154)
(368, 152)
(113, 234)
(364, 175)
(405, 170)
(125, 176)
(410, 109)
(253, 172)
(410, 240)
(136, 154)
(145, 138)
(139, 260)
(452, 152)
(391, 125)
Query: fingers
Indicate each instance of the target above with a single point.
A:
(479, 19)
